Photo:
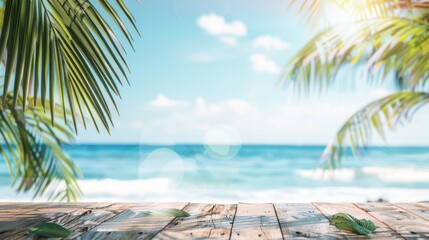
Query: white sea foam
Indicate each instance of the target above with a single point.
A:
(385, 174)
(406, 175)
(108, 190)
(125, 187)
(343, 175)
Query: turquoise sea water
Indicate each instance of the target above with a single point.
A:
(252, 173)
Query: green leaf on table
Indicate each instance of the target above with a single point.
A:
(50, 230)
(347, 222)
(169, 212)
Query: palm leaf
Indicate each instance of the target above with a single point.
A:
(68, 53)
(384, 114)
(33, 150)
(385, 51)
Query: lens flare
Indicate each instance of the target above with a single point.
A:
(163, 163)
(222, 142)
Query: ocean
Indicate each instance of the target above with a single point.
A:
(248, 173)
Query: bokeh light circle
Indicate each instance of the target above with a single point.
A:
(163, 164)
(222, 142)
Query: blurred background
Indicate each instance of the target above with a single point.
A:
(205, 120)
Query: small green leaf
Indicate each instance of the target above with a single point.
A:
(50, 230)
(169, 212)
(347, 222)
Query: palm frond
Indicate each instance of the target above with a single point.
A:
(65, 51)
(33, 150)
(384, 114)
(392, 51)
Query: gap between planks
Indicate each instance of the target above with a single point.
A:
(134, 223)
(420, 210)
(205, 221)
(402, 221)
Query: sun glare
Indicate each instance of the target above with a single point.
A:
(335, 15)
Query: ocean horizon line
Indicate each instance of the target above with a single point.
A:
(243, 145)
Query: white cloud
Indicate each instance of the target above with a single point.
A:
(239, 106)
(261, 63)
(230, 106)
(204, 109)
(217, 26)
(299, 121)
(202, 58)
(270, 43)
(200, 108)
(227, 32)
(285, 122)
(161, 101)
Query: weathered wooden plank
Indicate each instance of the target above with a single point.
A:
(11, 226)
(382, 232)
(95, 217)
(10, 218)
(133, 223)
(303, 220)
(420, 209)
(19, 205)
(207, 221)
(14, 209)
(256, 221)
(84, 219)
(252, 221)
(400, 220)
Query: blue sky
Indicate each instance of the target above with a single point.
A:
(207, 66)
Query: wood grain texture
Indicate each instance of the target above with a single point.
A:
(303, 220)
(84, 219)
(11, 226)
(207, 221)
(133, 223)
(213, 221)
(419, 209)
(382, 232)
(18, 206)
(94, 217)
(398, 219)
(256, 221)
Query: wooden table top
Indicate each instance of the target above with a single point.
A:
(216, 221)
